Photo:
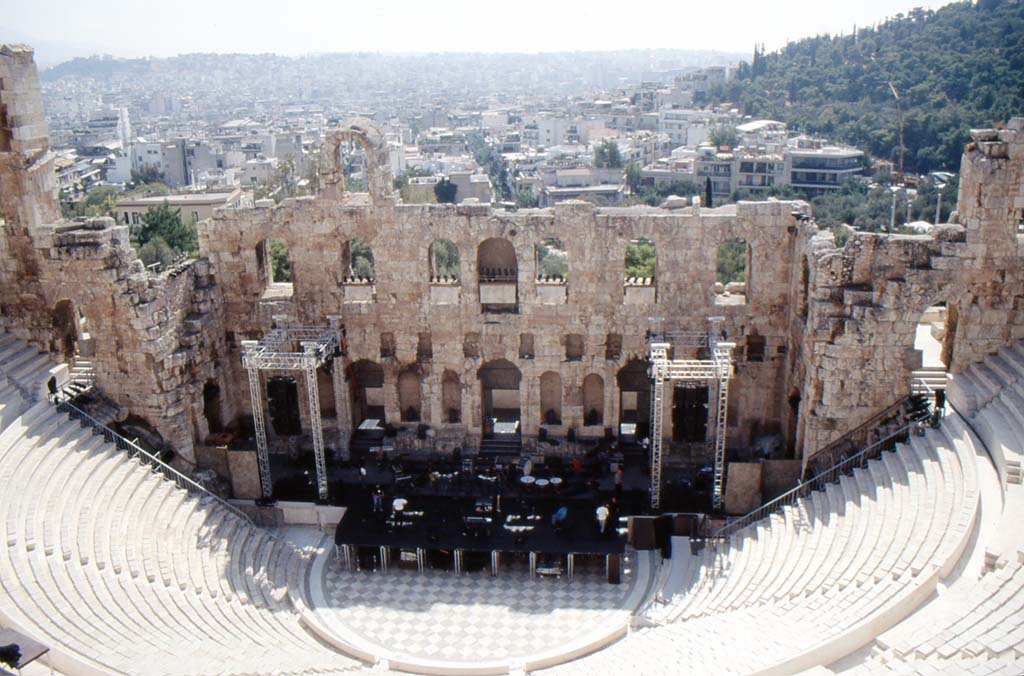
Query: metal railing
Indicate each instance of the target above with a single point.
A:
(818, 482)
(859, 436)
(144, 457)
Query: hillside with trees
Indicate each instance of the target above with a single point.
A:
(957, 67)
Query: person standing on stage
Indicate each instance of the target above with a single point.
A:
(619, 478)
(602, 517)
(378, 499)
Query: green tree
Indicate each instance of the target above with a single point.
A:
(724, 135)
(280, 264)
(607, 155)
(525, 199)
(361, 254)
(640, 258)
(731, 262)
(165, 222)
(444, 191)
(552, 259)
(101, 201)
(633, 176)
(838, 86)
(156, 251)
(446, 259)
(147, 174)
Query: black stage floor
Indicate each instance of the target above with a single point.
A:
(682, 491)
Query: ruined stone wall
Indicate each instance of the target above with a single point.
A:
(824, 337)
(155, 336)
(867, 298)
(406, 304)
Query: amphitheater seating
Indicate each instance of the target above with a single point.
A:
(975, 626)
(818, 579)
(119, 571)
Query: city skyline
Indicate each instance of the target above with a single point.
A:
(124, 29)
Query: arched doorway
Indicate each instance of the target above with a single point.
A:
(935, 338)
(634, 397)
(409, 394)
(499, 397)
(451, 397)
(70, 332)
(593, 400)
(366, 383)
(551, 398)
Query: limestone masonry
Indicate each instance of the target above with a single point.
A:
(825, 335)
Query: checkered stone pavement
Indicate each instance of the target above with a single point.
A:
(472, 617)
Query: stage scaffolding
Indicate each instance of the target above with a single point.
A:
(291, 348)
(716, 371)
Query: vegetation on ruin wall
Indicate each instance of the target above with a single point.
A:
(641, 257)
(162, 235)
(958, 67)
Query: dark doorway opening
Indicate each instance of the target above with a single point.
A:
(211, 407)
(689, 413)
(283, 403)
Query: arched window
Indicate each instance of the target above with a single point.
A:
(639, 271)
(496, 261)
(593, 400)
(275, 267)
(552, 260)
(357, 262)
(732, 272)
(551, 398)
(451, 397)
(497, 275)
(445, 265)
(409, 394)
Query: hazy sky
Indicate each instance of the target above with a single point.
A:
(64, 28)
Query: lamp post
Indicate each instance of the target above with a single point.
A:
(892, 212)
(939, 187)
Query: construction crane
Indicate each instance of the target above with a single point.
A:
(899, 120)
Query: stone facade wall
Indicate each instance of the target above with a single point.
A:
(463, 337)
(824, 335)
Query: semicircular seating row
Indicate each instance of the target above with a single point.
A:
(118, 571)
(818, 579)
(976, 626)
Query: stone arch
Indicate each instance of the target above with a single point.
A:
(370, 136)
(551, 398)
(497, 275)
(366, 383)
(593, 400)
(357, 261)
(496, 260)
(500, 380)
(552, 260)
(409, 394)
(445, 261)
(451, 396)
(66, 330)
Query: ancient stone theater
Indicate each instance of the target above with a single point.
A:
(421, 451)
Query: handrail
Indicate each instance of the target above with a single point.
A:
(839, 447)
(135, 451)
(819, 481)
